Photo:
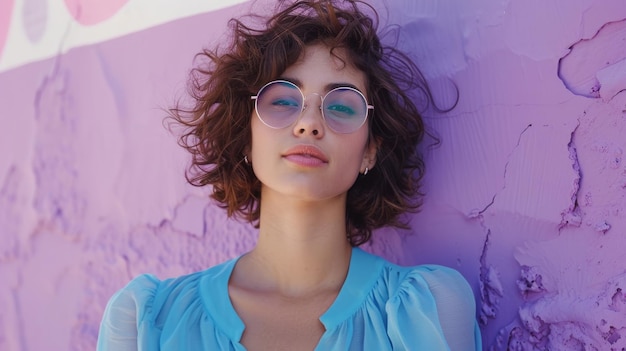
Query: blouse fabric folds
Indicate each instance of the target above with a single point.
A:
(381, 306)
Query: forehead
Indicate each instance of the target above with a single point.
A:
(318, 67)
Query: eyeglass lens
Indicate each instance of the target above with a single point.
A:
(280, 103)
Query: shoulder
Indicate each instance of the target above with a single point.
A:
(440, 281)
(447, 292)
(141, 309)
(446, 284)
(140, 293)
(118, 328)
(135, 294)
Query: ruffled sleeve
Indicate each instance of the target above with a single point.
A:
(122, 316)
(433, 307)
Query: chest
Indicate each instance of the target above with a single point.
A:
(276, 323)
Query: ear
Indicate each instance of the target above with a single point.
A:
(369, 157)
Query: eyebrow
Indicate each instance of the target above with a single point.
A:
(327, 87)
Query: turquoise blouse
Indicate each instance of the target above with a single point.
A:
(381, 306)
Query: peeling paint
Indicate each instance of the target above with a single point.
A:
(491, 290)
(10, 217)
(530, 283)
(189, 216)
(596, 67)
(566, 308)
(55, 166)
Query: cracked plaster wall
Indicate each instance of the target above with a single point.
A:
(526, 194)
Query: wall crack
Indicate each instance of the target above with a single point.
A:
(571, 216)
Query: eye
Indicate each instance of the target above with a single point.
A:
(285, 102)
(341, 109)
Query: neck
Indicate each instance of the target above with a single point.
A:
(302, 246)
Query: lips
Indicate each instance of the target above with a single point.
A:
(306, 155)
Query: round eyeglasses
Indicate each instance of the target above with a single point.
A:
(280, 103)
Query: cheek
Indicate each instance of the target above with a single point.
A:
(360, 143)
(351, 155)
(257, 136)
(262, 147)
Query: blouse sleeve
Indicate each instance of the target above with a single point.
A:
(119, 326)
(434, 301)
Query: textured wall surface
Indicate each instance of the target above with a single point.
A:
(526, 194)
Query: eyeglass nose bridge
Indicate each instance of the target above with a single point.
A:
(305, 103)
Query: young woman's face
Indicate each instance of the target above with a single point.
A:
(307, 159)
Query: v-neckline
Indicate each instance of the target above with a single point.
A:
(363, 270)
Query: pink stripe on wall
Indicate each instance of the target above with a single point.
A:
(6, 9)
(526, 194)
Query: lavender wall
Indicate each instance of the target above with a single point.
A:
(526, 194)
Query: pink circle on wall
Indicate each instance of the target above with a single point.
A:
(34, 19)
(6, 9)
(90, 12)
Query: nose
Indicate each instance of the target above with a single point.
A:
(311, 121)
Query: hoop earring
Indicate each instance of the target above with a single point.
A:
(245, 159)
(366, 170)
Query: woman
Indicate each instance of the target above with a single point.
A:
(303, 128)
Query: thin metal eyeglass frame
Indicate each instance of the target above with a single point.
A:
(304, 106)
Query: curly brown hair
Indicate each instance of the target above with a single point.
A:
(218, 130)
